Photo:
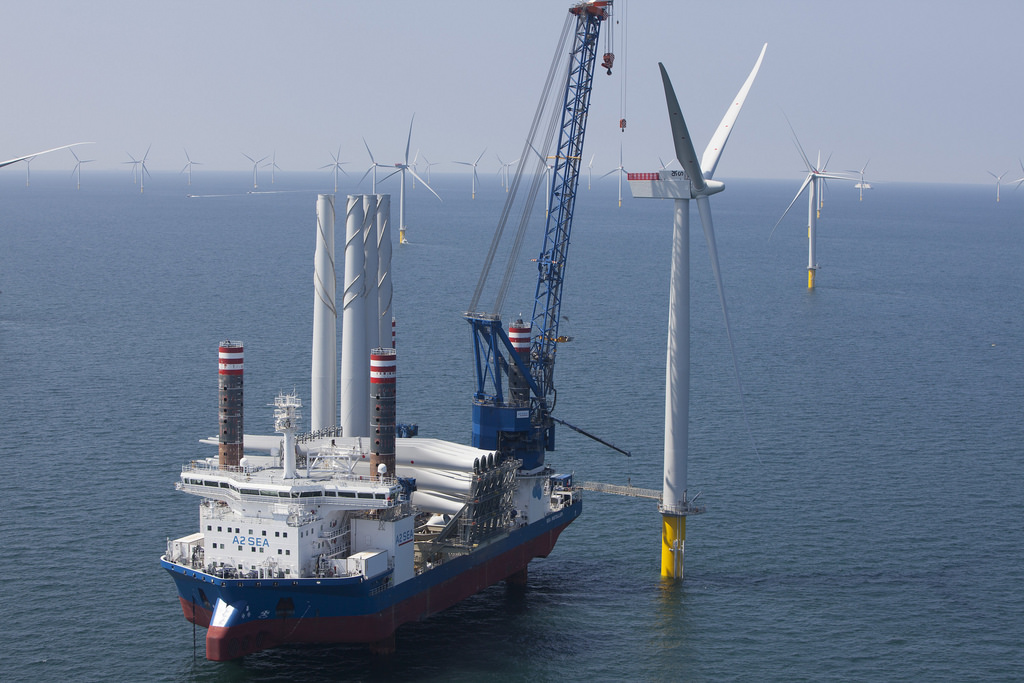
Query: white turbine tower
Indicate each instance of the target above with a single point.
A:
(255, 169)
(336, 166)
(77, 168)
(999, 179)
(28, 170)
(188, 166)
(815, 180)
(620, 169)
(474, 165)
(404, 167)
(696, 184)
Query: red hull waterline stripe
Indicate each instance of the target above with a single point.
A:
(227, 643)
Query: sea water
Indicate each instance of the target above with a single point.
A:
(864, 496)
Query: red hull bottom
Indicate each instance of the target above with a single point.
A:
(378, 629)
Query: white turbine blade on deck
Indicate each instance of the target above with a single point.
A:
(685, 153)
(713, 152)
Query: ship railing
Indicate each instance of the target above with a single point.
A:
(233, 471)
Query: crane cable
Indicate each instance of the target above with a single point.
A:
(538, 179)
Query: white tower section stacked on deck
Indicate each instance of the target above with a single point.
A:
(323, 400)
(384, 290)
(370, 266)
(354, 418)
(229, 384)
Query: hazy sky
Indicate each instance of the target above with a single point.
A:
(928, 91)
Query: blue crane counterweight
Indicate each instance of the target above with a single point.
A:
(501, 420)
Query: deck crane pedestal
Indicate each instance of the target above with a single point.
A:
(515, 393)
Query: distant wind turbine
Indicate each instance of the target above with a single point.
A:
(590, 170)
(336, 166)
(503, 171)
(620, 169)
(1019, 181)
(143, 171)
(273, 167)
(815, 180)
(135, 168)
(474, 165)
(78, 168)
(28, 169)
(255, 169)
(373, 168)
(403, 168)
(428, 164)
(999, 179)
(188, 166)
(864, 185)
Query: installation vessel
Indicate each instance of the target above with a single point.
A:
(343, 532)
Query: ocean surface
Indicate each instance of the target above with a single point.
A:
(865, 498)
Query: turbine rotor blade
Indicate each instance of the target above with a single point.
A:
(807, 181)
(414, 175)
(681, 136)
(713, 152)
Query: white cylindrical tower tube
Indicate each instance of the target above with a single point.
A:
(677, 398)
(371, 266)
(812, 228)
(384, 290)
(354, 419)
(323, 399)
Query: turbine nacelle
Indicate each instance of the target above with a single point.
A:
(669, 184)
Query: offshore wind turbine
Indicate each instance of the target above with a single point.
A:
(255, 169)
(78, 168)
(403, 168)
(336, 166)
(189, 165)
(373, 168)
(273, 167)
(590, 170)
(621, 171)
(143, 171)
(503, 170)
(474, 165)
(815, 184)
(865, 185)
(135, 168)
(999, 179)
(696, 184)
(428, 164)
(28, 170)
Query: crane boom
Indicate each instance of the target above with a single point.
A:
(518, 421)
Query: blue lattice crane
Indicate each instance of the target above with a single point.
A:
(517, 420)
